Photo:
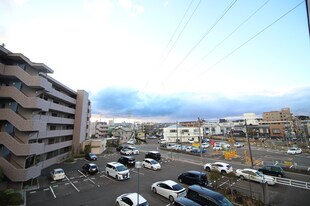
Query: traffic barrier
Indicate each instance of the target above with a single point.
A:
(293, 183)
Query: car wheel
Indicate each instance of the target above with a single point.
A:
(223, 172)
(241, 177)
(154, 190)
(116, 177)
(180, 180)
(117, 204)
(171, 199)
(108, 174)
(208, 169)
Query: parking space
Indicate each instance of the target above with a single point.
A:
(80, 189)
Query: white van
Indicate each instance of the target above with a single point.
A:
(117, 170)
(58, 174)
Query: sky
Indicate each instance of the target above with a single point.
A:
(169, 60)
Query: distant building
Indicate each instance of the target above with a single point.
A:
(101, 130)
(42, 121)
(180, 133)
(283, 115)
(280, 122)
(123, 133)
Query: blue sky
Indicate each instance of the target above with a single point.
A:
(169, 60)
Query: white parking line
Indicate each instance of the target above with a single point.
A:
(88, 178)
(53, 192)
(132, 170)
(73, 184)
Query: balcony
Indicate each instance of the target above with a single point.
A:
(23, 100)
(26, 78)
(20, 123)
(18, 148)
(19, 174)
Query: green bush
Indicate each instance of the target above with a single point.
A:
(10, 197)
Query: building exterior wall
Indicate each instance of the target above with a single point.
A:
(101, 130)
(122, 133)
(178, 133)
(283, 115)
(42, 121)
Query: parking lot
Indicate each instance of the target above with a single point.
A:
(80, 189)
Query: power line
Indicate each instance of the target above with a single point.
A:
(233, 51)
(181, 31)
(200, 40)
(229, 35)
(170, 40)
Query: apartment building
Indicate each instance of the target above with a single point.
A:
(280, 122)
(42, 121)
(101, 130)
(283, 115)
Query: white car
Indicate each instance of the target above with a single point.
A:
(58, 174)
(255, 175)
(162, 141)
(238, 144)
(151, 164)
(131, 199)
(217, 147)
(129, 151)
(205, 145)
(188, 149)
(294, 150)
(134, 150)
(170, 146)
(221, 167)
(168, 189)
(225, 145)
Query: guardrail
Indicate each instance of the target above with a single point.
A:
(293, 183)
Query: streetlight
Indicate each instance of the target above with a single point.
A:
(138, 165)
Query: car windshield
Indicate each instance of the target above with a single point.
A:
(153, 162)
(177, 187)
(93, 166)
(224, 202)
(121, 168)
(259, 174)
(144, 204)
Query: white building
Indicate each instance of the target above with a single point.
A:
(178, 133)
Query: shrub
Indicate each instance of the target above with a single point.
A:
(11, 197)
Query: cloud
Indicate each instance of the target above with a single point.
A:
(132, 9)
(122, 102)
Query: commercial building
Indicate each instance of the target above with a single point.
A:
(42, 121)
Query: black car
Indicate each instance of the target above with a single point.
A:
(91, 156)
(194, 177)
(90, 168)
(155, 155)
(183, 201)
(272, 170)
(205, 196)
(127, 160)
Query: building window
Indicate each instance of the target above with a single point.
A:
(276, 131)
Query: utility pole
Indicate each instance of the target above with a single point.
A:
(249, 143)
(199, 122)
